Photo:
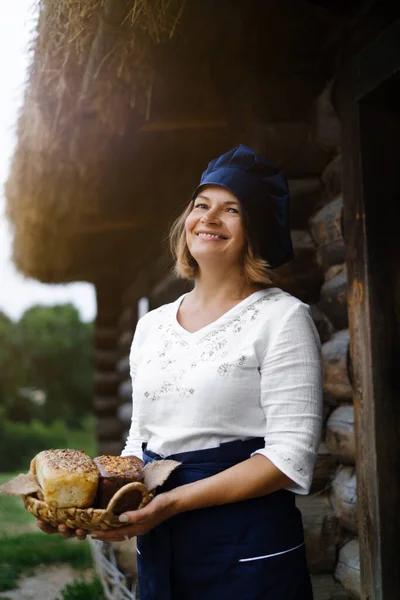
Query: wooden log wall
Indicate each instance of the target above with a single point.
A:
(126, 329)
(105, 373)
(326, 229)
(126, 325)
(348, 568)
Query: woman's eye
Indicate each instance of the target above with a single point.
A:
(202, 206)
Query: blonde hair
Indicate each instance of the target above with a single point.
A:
(255, 269)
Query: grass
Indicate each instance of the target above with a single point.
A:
(23, 547)
(83, 590)
(21, 554)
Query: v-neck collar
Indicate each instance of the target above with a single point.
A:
(227, 316)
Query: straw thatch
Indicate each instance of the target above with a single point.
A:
(91, 69)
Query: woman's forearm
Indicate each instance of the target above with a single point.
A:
(256, 476)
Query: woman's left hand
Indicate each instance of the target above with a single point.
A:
(138, 522)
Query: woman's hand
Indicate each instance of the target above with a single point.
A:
(139, 521)
(63, 530)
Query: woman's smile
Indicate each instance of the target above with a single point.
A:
(210, 237)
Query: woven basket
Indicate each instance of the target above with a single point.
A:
(85, 518)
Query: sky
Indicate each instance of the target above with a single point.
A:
(17, 293)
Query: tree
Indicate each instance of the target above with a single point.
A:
(6, 364)
(49, 350)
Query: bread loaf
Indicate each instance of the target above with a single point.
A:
(115, 472)
(68, 478)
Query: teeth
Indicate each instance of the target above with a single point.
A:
(210, 235)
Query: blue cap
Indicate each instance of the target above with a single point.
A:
(262, 190)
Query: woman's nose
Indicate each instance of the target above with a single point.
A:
(210, 216)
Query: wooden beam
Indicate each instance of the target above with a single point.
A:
(370, 150)
(108, 226)
(362, 358)
(182, 124)
(337, 6)
(376, 63)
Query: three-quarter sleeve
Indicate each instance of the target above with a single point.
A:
(134, 441)
(291, 397)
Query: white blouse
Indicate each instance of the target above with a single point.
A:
(254, 372)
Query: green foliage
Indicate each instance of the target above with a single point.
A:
(20, 442)
(21, 554)
(82, 590)
(49, 349)
(83, 438)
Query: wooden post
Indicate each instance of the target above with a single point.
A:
(371, 132)
(106, 377)
(126, 329)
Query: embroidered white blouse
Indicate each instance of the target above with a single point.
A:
(254, 372)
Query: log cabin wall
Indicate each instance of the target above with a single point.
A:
(132, 292)
(126, 328)
(106, 379)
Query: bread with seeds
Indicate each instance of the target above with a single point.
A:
(68, 478)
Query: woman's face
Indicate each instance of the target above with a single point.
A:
(214, 227)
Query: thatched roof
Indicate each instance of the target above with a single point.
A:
(87, 181)
(91, 69)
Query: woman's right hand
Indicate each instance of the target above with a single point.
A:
(63, 530)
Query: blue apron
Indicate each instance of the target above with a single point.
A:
(249, 550)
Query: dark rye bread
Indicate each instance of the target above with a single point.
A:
(115, 472)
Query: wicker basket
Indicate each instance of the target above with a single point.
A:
(85, 518)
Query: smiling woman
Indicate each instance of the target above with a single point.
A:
(227, 381)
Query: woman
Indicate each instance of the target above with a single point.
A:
(227, 380)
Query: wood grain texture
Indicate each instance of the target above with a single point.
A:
(321, 531)
(371, 127)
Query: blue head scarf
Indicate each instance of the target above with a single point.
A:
(262, 190)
